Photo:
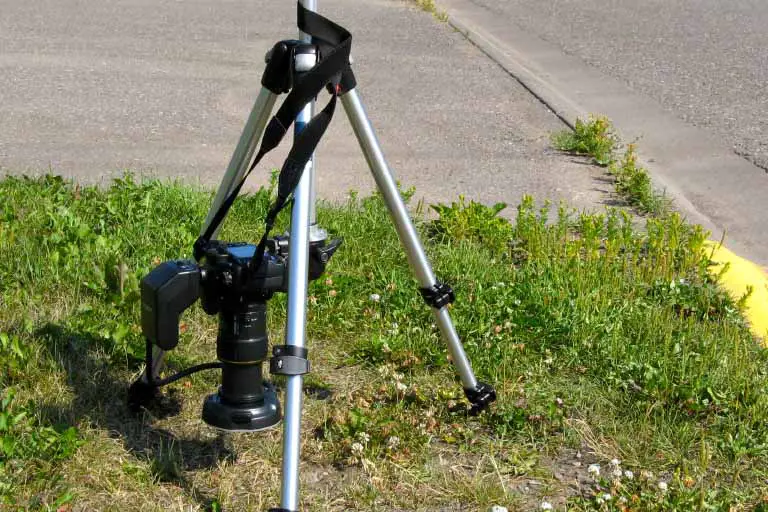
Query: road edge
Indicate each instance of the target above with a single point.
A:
(740, 278)
(741, 275)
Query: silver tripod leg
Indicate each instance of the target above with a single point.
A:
(405, 230)
(303, 228)
(238, 166)
(295, 333)
(246, 147)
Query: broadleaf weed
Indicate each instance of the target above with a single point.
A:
(593, 137)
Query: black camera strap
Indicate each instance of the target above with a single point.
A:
(332, 71)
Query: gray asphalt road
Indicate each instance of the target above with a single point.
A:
(705, 60)
(89, 89)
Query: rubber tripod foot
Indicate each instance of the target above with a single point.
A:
(140, 394)
(481, 396)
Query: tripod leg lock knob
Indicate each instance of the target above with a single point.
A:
(438, 295)
(289, 360)
(481, 396)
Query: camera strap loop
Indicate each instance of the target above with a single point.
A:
(331, 70)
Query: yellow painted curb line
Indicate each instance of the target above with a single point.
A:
(740, 275)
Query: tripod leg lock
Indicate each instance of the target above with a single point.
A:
(289, 360)
(438, 295)
(480, 397)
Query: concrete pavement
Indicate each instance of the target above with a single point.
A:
(704, 61)
(163, 87)
(710, 183)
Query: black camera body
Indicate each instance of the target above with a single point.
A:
(223, 278)
(228, 285)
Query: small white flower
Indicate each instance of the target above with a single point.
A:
(545, 505)
(363, 437)
(357, 448)
(594, 469)
(622, 500)
(629, 475)
(374, 297)
(616, 473)
(607, 497)
(663, 486)
(498, 508)
(393, 442)
(549, 361)
(401, 387)
(615, 462)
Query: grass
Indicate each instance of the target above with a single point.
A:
(596, 138)
(603, 343)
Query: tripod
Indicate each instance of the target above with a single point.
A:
(236, 280)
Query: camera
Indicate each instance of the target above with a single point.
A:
(230, 285)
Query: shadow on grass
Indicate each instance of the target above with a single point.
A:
(100, 397)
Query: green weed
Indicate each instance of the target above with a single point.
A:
(593, 137)
(430, 7)
(473, 222)
(634, 183)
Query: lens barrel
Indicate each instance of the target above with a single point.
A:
(244, 402)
